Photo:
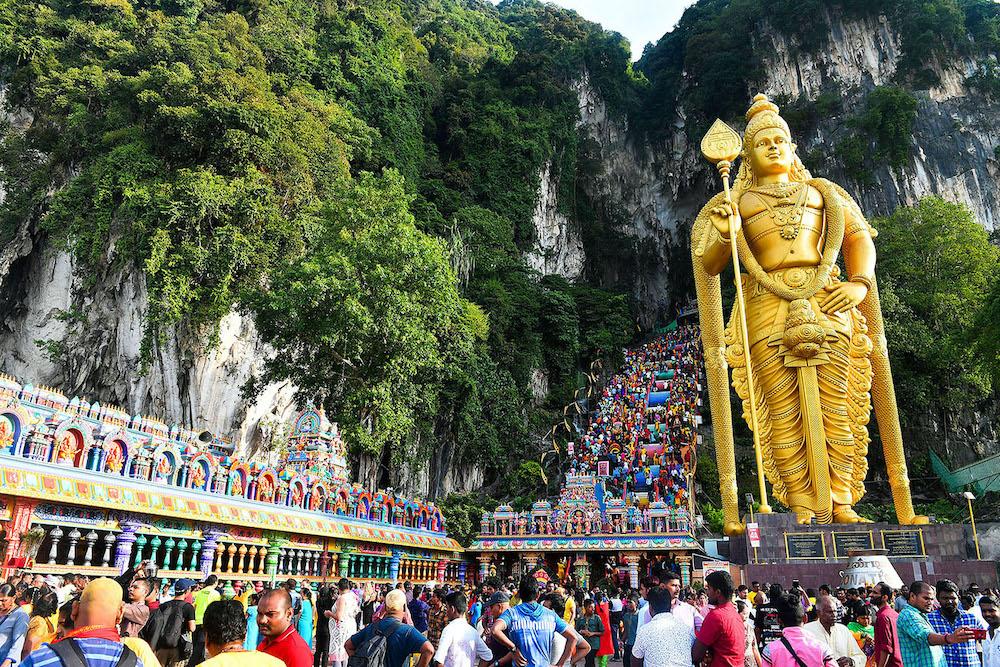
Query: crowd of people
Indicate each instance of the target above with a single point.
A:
(645, 422)
(126, 622)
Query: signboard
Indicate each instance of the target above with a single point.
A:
(805, 546)
(903, 543)
(844, 542)
(603, 468)
(569, 448)
(753, 534)
(710, 566)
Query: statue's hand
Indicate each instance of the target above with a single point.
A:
(721, 216)
(842, 297)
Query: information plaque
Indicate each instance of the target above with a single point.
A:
(805, 546)
(902, 543)
(844, 542)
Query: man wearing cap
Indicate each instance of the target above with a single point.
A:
(96, 635)
(496, 605)
(166, 625)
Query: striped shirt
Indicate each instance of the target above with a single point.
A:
(98, 652)
(914, 629)
(962, 654)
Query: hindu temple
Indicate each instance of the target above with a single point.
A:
(88, 488)
(626, 502)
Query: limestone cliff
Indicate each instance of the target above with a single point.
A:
(82, 333)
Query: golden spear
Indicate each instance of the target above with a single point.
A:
(720, 146)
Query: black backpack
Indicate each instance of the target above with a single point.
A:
(71, 655)
(373, 652)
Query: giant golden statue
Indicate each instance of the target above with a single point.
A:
(817, 349)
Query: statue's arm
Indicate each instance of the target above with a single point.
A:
(718, 251)
(714, 246)
(859, 249)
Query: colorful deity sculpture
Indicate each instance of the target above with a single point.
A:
(265, 489)
(815, 340)
(198, 477)
(116, 458)
(66, 448)
(6, 434)
(236, 488)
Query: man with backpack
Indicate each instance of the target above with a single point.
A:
(95, 642)
(208, 594)
(170, 627)
(389, 642)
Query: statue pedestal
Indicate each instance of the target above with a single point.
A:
(816, 554)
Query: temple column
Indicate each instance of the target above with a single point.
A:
(208, 547)
(273, 553)
(442, 570)
(91, 539)
(331, 564)
(581, 568)
(633, 569)
(461, 571)
(344, 563)
(394, 567)
(109, 543)
(20, 522)
(685, 563)
(124, 545)
(54, 536)
(195, 551)
(484, 566)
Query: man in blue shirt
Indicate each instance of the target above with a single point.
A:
(401, 640)
(947, 619)
(13, 627)
(527, 629)
(96, 634)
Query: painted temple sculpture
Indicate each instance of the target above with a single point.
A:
(817, 349)
(93, 477)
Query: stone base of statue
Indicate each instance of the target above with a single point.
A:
(822, 554)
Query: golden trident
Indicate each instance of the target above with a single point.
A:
(720, 146)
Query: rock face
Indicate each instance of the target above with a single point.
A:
(90, 327)
(558, 248)
(82, 334)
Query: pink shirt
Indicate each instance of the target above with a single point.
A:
(810, 651)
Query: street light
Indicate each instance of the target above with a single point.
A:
(975, 536)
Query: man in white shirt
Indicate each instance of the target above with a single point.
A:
(460, 644)
(664, 641)
(991, 645)
(836, 637)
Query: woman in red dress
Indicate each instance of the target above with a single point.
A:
(606, 649)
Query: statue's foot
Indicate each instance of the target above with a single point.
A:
(803, 515)
(733, 528)
(846, 514)
(916, 520)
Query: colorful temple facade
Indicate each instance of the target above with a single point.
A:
(89, 488)
(625, 505)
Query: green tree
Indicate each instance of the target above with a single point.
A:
(936, 268)
(370, 320)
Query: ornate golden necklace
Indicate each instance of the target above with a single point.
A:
(786, 212)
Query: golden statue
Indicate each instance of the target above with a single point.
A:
(818, 351)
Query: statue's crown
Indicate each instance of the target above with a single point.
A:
(762, 115)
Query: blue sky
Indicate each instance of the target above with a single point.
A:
(640, 21)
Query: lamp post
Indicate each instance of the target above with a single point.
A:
(975, 536)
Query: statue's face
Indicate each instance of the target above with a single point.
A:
(772, 152)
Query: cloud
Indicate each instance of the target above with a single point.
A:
(640, 21)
